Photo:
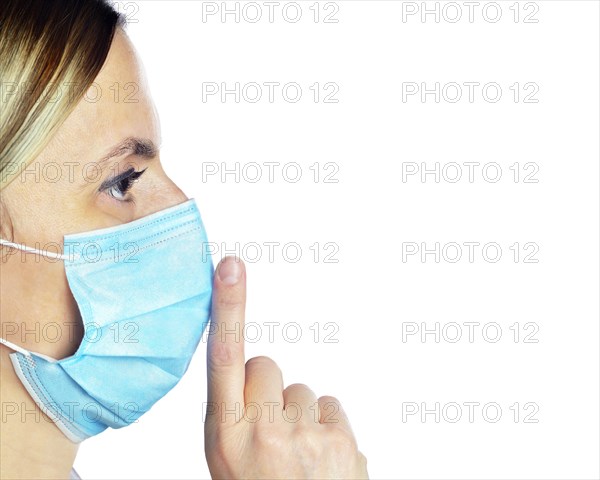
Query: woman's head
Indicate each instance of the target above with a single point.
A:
(79, 139)
(45, 46)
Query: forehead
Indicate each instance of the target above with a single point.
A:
(117, 105)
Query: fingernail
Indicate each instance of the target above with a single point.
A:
(229, 270)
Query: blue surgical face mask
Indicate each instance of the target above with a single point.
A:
(144, 292)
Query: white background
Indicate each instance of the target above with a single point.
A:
(371, 215)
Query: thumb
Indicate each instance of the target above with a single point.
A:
(225, 352)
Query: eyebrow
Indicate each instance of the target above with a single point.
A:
(142, 147)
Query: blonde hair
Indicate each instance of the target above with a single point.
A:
(50, 53)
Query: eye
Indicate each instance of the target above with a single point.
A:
(118, 186)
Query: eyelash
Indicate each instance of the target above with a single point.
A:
(123, 182)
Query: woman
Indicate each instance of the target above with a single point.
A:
(95, 236)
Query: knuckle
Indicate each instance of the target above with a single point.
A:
(262, 362)
(328, 399)
(331, 410)
(221, 355)
(229, 300)
(218, 449)
(298, 387)
(342, 443)
(268, 439)
(308, 441)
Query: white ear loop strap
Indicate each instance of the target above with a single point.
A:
(27, 249)
(16, 348)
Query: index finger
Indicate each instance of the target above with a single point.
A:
(225, 352)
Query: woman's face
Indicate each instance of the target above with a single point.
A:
(88, 177)
(43, 208)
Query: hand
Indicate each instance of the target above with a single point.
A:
(253, 427)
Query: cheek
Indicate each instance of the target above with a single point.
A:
(42, 212)
(52, 323)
